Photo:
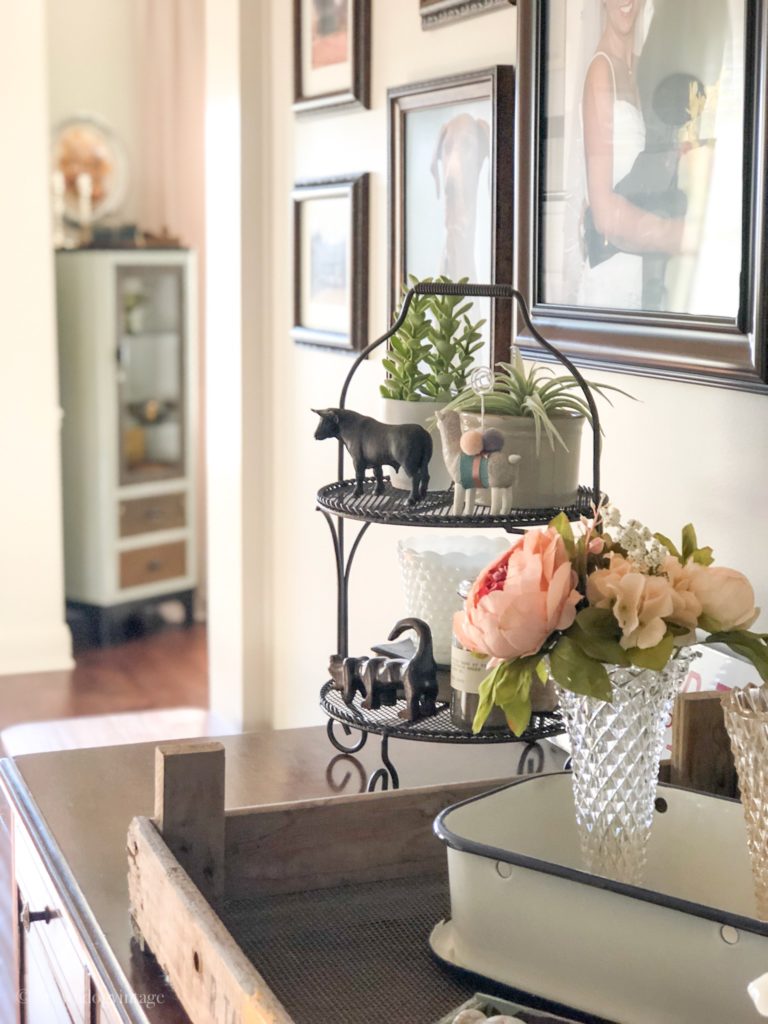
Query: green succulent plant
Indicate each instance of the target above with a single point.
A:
(534, 391)
(431, 355)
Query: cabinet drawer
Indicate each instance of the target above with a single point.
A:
(150, 565)
(54, 962)
(161, 512)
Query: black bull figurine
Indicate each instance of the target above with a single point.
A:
(372, 444)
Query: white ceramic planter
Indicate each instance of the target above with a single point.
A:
(525, 913)
(548, 478)
(397, 411)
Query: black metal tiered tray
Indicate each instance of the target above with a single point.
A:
(338, 502)
(392, 508)
(438, 728)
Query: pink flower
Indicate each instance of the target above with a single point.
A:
(726, 596)
(522, 597)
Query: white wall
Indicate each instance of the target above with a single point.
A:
(94, 64)
(33, 635)
(683, 452)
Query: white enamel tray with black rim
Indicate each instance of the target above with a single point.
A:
(525, 913)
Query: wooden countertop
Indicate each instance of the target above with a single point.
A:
(79, 803)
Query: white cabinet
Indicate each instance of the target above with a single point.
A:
(127, 345)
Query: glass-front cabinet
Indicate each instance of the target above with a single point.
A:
(127, 367)
(151, 372)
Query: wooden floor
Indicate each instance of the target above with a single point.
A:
(168, 669)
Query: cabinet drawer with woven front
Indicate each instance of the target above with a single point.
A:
(148, 565)
(160, 512)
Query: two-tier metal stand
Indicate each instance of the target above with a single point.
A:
(337, 503)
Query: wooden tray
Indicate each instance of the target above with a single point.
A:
(317, 912)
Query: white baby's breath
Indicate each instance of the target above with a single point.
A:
(637, 540)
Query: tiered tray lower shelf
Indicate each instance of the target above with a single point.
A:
(437, 728)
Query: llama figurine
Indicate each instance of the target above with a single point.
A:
(476, 459)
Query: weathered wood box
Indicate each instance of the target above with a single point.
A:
(317, 912)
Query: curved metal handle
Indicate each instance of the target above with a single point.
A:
(486, 291)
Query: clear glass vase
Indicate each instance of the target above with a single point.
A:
(746, 719)
(616, 749)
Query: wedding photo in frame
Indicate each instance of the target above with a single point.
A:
(331, 53)
(640, 171)
(330, 246)
(451, 198)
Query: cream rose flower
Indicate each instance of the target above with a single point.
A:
(687, 606)
(641, 604)
(726, 596)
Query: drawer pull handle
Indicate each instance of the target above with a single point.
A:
(29, 917)
(153, 514)
(154, 565)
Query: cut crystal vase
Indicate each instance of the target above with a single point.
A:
(746, 719)
(616, 750)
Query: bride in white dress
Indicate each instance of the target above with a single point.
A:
(614, 134)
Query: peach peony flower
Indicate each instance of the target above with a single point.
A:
(522, 597)
(640, 603)
(726, 596)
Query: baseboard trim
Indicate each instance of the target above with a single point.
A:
(35, 649)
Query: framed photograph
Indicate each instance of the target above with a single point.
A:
(435, 13)
(451, 151)
(641, 221)
(330, 218)
(331, 53)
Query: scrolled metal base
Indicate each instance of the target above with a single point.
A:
(353, 748)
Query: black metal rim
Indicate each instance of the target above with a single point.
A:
(438, 728)
(392, 508)
(659, 899)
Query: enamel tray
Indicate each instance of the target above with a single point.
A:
(525, 914)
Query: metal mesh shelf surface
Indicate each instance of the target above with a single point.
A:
(434, 510)
(437, 728)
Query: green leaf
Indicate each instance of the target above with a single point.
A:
(562, 524)
(599, 623)
(517, 712)
(667, 543)
(653, 657)
(703, 556)
(753, 646)
(690, 543)
(598, 647)
(574, 670)
(509, 686)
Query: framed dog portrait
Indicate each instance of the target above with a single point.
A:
(330, 218)
(331, 53)
(642, 213)
(451, 158)
(436, 13)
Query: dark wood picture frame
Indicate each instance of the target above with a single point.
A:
(358, 90)
(437, 13)
(701, 349)
(356, 189)
(496, 84)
